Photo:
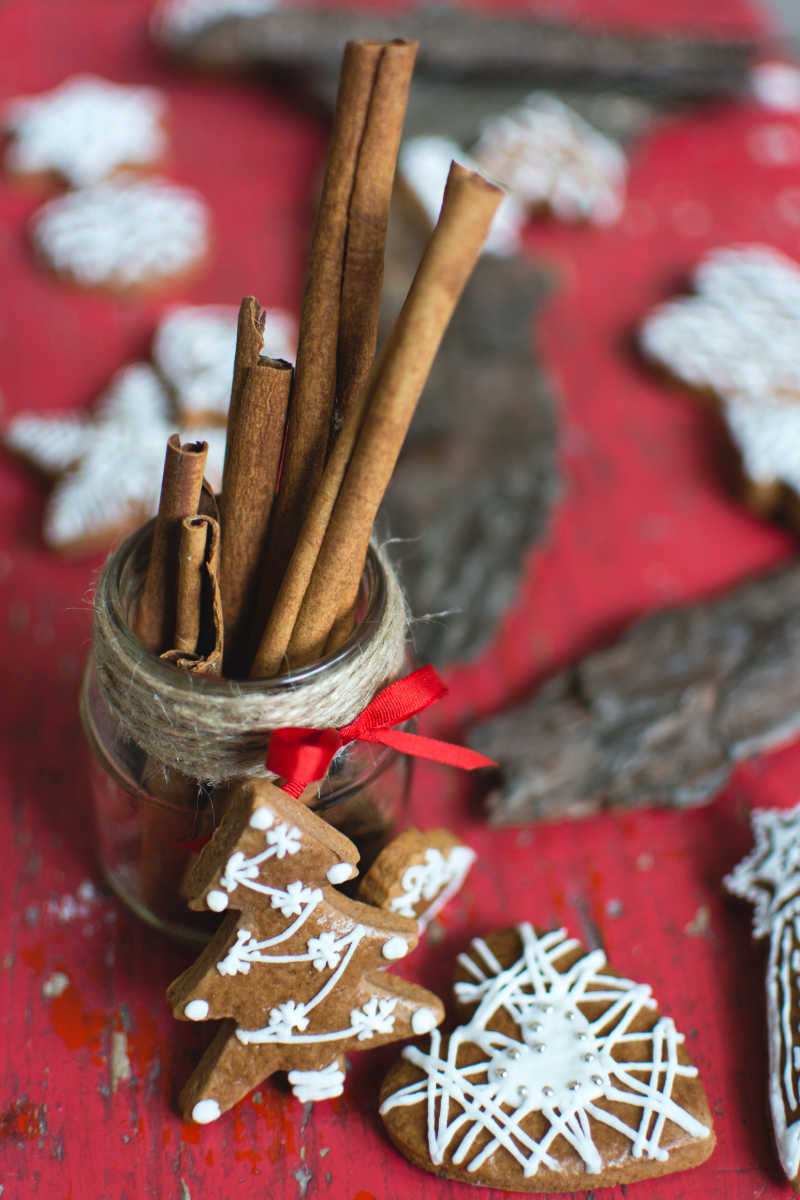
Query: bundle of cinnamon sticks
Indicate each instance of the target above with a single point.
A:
(271, 583)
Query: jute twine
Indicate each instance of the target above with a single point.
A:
(218, 729)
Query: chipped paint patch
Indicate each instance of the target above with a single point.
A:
(185, 1193)
(700, 924)
(119, 1063)
(55, 984)
(303, 1176)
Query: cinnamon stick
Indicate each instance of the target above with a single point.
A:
(313, 395)
(180, 493)
(367, 221)
(198, 637)
(469, 204)
(249, 479)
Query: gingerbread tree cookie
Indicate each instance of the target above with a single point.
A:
(564, 1077)
(770, 878)
(297, 970)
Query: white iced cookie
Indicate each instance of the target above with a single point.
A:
(128, 233)
(565, 1077)
(194, 347)
(737, 339)
(174, 20)
(549, 157)
(85, 130)
(423, 165)
(108, 468)
(770, 879)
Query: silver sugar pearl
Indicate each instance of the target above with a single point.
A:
(583, 1037)
(522, 1091)
(501, 1072)
(597, 1080)
(574, 1085)
(547, 1090)
(539, 1047)
(570, 1014)
(587, 1057)
(513, 1053)
(536, 1026)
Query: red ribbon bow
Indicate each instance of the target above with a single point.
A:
(301, 756)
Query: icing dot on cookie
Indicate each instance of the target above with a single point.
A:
(339, 872)
(423, 1020)
(205, 1111)
(196, 1010)
(262, 818)
(217, 901)
(396, 947)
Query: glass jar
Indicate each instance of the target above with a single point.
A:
(150, 822)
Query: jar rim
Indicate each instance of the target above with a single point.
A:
(122, 578)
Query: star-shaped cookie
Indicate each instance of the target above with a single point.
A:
(107, 467)
(85, 130)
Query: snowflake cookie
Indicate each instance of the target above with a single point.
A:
(127, 234)
(194, 348)
(417, 874)
(550, 158)
(107, 468)
(736, 339)
(296, 969)
(770, 879)
(85, 130)
(565, 1077)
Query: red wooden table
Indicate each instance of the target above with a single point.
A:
(90, 1060)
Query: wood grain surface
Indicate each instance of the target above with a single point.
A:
(90, 1060)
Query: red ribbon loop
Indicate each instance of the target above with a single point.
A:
(301, 756)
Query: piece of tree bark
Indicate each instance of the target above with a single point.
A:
(660, 717)
(464, 43)
(478, 476)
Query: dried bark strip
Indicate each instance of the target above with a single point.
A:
(464, 43)
(660, 717)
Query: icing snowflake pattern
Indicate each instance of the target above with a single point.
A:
(562, 1065)
(548, 156)
(194, 348)
(109, 466)
(317, 1085)
(85, 129)
(438, 876)
(126, 232)
(769, 877)
(376, 1016)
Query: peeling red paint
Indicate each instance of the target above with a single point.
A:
(78, 1027)
(34, 957)
(22, 1122)
(272, 1109)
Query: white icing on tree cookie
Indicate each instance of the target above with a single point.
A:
(549, 157)
(110, 466)
(574, 1069)
(85, 130)
(770, 879)
(300, 969)
(194, 349)
(424, 163)
(438, 878)
(737, 337)
(125, 233)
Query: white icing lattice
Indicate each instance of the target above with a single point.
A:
(110, 467)
(548, 156)
(317, 1085)
(562, 1063)
(437, 878)
(424, 163)
(770, 879)
(127, 232)
(194, 348)
(85, 129)
(737, 338)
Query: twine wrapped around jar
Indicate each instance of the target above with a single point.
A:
(218, 729)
